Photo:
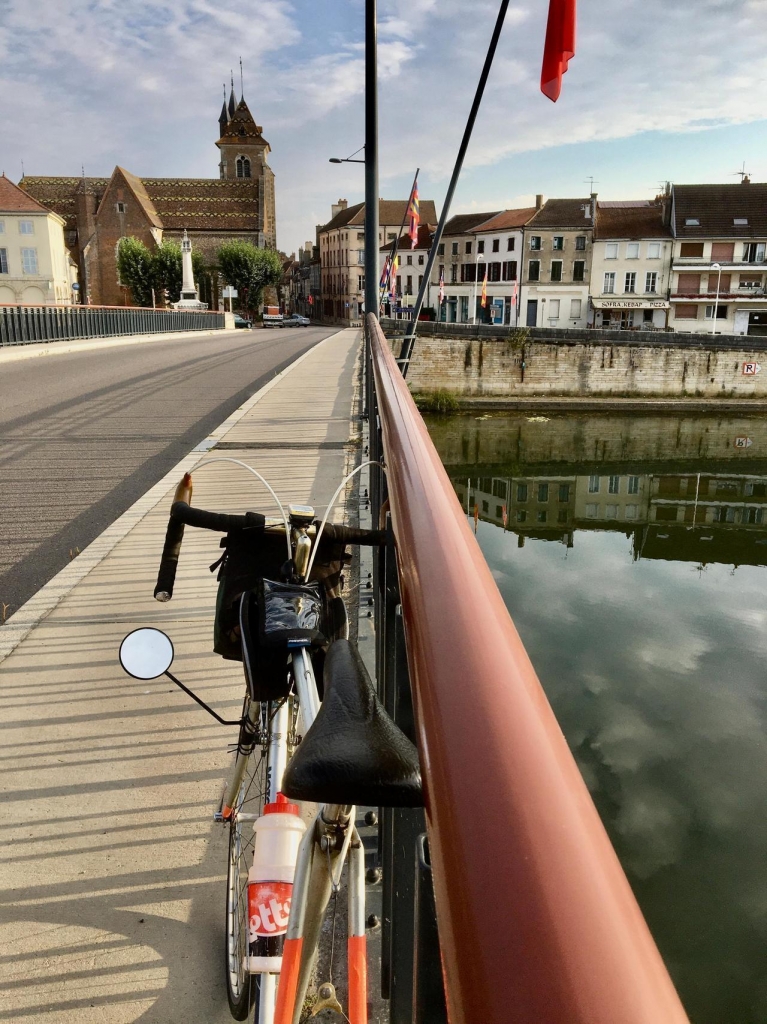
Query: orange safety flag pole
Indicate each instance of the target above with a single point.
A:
(559, 46)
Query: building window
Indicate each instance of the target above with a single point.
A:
(496, 245)
(630, 511)
(692, 222)
(409, 261)
(579, 270)
(556, 270)
(409, 285)
(721, 312)
(593, 485)
(441, 249)
(542, 516)
(454, 274)
(29, 261)
(611, 251)
(3, 261)
(534, 270)
(575, 309)
(633, 485)
(510, 270)
(481, 245)
(509, 245)
(653, 251)
(2, 227)
(535, 242)
(243, 167)
(592, 511)
(26, 227)
(468, 272)
(564, 492)
(467, 248)
(685, 312)
(521, 492)
(390, 236)
(614, 485)
(554, 309)
(543, 492)
(559, 243)
(420, 259)
(562, 515)
(609, 288)
(651, 282)
(691, 250)
(753, 252)
(521, 515)
(752, 515)
(632, 251)
(611, 511)
(580, 242)
(647, 317)
(454, 248)
(121, 207)
(631, 282)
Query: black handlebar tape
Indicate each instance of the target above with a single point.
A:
(166, 577)
(217, 521)
(351, 535)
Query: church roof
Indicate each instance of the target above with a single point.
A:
(242, 126)
(15, 200)
(136, 186)
(199, 204)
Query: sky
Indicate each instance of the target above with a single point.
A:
(658, 90)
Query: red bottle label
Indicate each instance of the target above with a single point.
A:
(268, 908)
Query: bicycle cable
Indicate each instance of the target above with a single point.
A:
(264, 481)
(344, 482)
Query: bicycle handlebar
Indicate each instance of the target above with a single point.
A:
(182, 513)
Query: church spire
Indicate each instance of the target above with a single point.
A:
(232, 99)
(223, 117)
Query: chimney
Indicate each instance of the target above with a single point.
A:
(337, 207)
(593, 208)
(538, 202)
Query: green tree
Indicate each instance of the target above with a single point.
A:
(249, 270)
(166, 271)
(135, 268)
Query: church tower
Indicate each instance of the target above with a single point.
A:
(243, 155)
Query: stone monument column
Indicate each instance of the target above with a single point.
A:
(189, 299)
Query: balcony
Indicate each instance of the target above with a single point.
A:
(739, 295)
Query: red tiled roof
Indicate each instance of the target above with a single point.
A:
(631, 222)
(506, 220)
(15, 200)
(425, 234)
(463, 223)
(242, 126)
(563, 213)
(390, 211)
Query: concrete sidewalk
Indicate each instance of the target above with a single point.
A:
(112, 872)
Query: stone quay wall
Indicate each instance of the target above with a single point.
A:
(521, 364)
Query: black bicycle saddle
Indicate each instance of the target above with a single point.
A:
(353, 753)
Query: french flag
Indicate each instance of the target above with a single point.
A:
(559, 47)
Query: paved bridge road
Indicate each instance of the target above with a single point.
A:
(83, 435)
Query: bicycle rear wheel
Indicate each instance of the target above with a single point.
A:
(242, 987)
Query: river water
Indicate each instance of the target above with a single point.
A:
(631, 552)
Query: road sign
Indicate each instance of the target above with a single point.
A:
(743, 442)
(75, 287)
(751, 369)
(229, 293)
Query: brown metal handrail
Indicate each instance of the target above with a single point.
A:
(537, 921)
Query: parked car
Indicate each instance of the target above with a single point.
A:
(240, 321)
(295, 320)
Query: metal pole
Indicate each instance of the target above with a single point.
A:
(716, 303)
(476, 276)
(371, 160)
(409, 341)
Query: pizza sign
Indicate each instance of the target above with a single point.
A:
(751, 369)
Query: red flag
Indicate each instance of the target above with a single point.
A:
(484, 290)
(559, 46)
(414, 213)
(504, 516)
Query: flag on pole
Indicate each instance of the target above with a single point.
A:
(504, 516)
(559, 46)
(476, 517)
(484, 289)
(393, 277)
(441, 286)
(414, 213)
(385, 271)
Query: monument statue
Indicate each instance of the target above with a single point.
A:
(189, 298)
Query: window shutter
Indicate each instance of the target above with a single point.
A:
(689, 284)
(722, 252)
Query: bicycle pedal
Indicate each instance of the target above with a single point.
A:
(327, 1000)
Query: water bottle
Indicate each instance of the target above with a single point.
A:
(278, 832)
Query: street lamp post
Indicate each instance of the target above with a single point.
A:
(476, 276)
(716, 266)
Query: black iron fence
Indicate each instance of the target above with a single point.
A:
(23, 325)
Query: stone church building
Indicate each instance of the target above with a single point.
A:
(98, 212)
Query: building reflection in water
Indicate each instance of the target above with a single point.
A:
(700, 517)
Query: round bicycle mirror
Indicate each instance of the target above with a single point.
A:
(146, 653)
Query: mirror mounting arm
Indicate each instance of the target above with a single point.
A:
(201, 702)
